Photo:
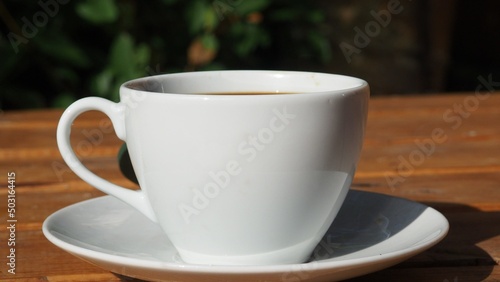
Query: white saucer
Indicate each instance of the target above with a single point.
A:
(371, 232)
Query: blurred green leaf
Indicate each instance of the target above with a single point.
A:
(125, 58)
(62, 49)
(316, 16)
(115, 90)
(210, 42)
(248, 37)
(121, 55)
(213, 66)
(284, 14)
(98, 11)
(142, 55)
(101, 83)
(63, 100)
(66, 74)
(238, 29)
(125, 62)
(322, 46)
(245, 7)
(195, 15)
(210, 19)
(247, 43)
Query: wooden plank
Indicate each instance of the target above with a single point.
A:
(400, 130)
(56, 172)
(38, 258)
(45, 118)
(477, 190)
(41, 144)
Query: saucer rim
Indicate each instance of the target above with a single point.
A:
(392, 257)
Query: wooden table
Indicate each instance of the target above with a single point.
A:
(441, 150)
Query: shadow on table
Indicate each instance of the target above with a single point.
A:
(454, 257)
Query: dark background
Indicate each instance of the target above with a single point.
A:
(53, 52)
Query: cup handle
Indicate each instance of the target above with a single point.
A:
(116, 112)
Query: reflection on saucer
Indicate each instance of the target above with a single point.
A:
(368, 230)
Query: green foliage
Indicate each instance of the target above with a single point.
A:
(90, 47)
(98, 11)
(244, 8)
(126, 61)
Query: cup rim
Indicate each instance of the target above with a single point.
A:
(138, 84)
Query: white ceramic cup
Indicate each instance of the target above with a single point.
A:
(235, 179)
